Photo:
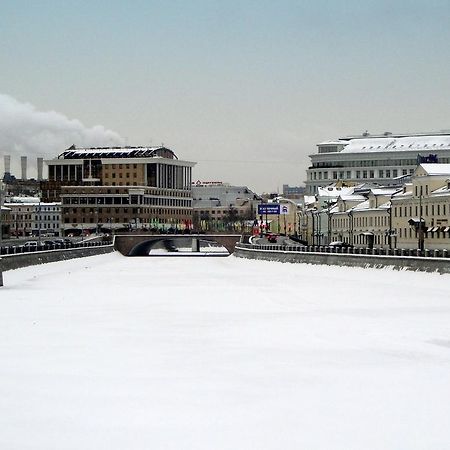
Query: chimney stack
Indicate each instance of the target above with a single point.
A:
(40, 167)
(23, 163)
(7, 159)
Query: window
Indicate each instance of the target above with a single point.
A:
(381, 174)
(372, 174)
(395, 173)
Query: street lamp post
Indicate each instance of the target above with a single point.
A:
(39, 220)
(350, 218)
(421, 242)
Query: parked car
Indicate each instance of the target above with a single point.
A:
(31, 244)
(272, 238)
(339, 244)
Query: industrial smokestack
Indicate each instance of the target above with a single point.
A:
(40, 167)
(7, 159)
(23, 163)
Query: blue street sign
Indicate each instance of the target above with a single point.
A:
(268, 208)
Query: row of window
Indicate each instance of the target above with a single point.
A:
(43, 226)
(120, 175)
(427, 210)
(126, 200)
(104, 213)
(377, 221)
(372, 163)
(359, 174)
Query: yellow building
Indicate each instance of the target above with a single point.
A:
(421, 212)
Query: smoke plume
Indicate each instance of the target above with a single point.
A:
(24, 130)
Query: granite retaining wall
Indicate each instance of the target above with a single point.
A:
(10, 262)
(414, 263)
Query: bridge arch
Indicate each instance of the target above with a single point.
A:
(140, 245)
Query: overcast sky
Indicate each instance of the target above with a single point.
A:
(245, 88)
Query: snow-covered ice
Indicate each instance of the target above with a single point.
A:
(121, 353)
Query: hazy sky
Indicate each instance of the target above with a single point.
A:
(246, 88)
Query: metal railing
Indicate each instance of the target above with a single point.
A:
(20, 249)
(396, 252)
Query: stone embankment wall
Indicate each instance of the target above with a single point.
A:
(10, 262)
(424, 264)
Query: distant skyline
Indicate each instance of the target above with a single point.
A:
(247, 89)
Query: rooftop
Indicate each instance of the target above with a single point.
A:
(428, 143)
(117, 152)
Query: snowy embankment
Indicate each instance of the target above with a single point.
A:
(121, 353)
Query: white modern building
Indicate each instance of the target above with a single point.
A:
(387, 159)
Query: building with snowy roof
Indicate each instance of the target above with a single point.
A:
(416, 215)
(386, 159)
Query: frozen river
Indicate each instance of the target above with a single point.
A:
(122, 353)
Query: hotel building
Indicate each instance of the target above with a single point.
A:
(120, 188)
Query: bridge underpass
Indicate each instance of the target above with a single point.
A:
(142, 244)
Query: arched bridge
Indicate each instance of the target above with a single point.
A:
(141, 244)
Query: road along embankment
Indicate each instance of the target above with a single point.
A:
(414, 263)
(10, 262)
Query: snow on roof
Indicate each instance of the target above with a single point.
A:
(308, 199)
(4, 208)
(115, 152)
(332, 143)
(362, 205)
(429, 144)
(444, 190)
(384, 190)
(334, 191)
(30, 200)
(436, 169)
(386, 205)
(353, 197)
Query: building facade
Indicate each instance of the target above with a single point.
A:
(30, 217)
(383, 159)
(421, 212)
(219, 206)
(121, 188)
(415, 215)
